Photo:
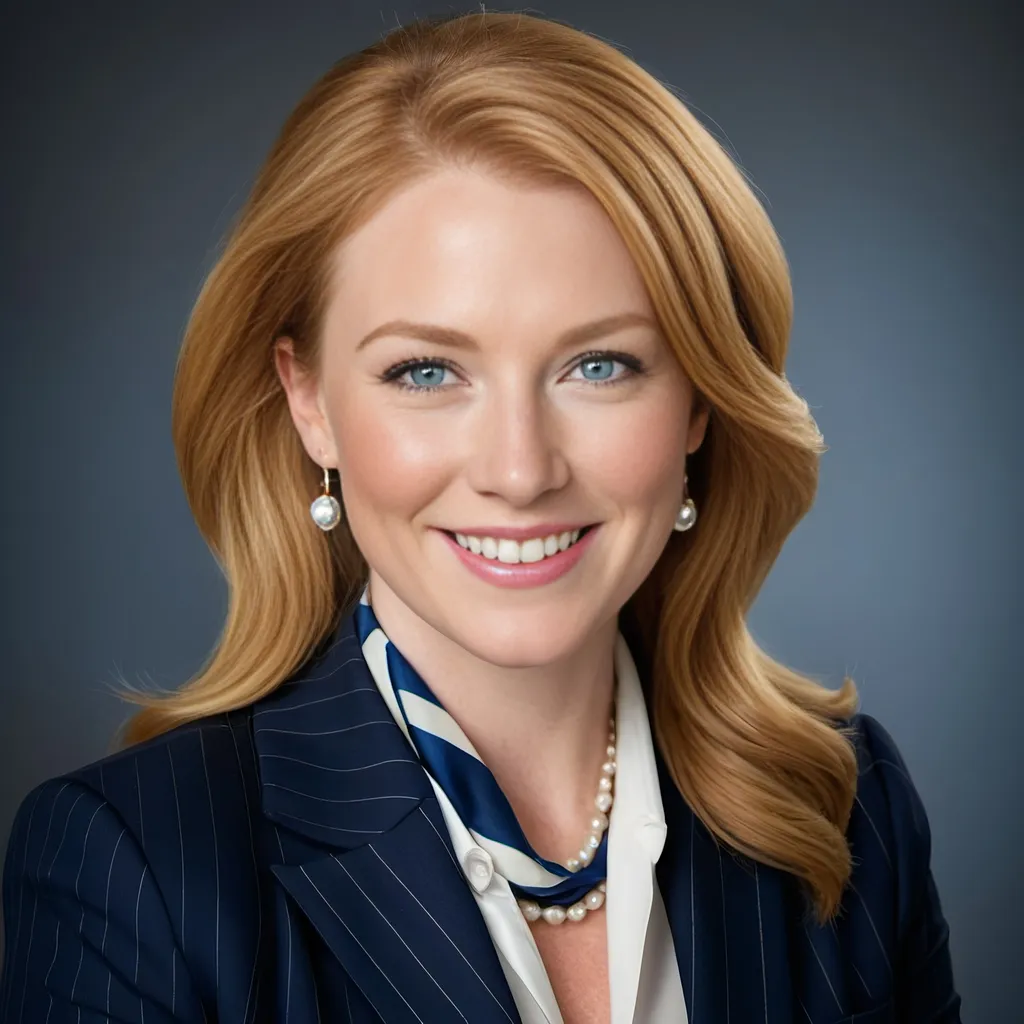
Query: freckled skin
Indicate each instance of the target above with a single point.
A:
(517, 433)
(576, 958)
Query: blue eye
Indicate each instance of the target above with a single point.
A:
(431, 371)
(431, 374)
(597, 361)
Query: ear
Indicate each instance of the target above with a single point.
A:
(305, 403)
(700, 413)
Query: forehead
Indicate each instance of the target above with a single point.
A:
(472, 251)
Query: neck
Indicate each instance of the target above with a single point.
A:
(541, 730)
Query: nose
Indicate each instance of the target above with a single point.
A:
(517, 449)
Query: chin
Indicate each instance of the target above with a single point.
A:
(514, 654)
(522, 637)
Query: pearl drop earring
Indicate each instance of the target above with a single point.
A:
(325, 510)
(687, 514)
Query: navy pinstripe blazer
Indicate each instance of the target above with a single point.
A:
(288, 862)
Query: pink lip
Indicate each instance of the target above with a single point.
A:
(528, 574)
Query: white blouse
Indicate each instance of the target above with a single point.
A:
(642, 968)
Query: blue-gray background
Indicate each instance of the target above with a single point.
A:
(885, 140)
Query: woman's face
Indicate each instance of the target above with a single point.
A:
(502, 424)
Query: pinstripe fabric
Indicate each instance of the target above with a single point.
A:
(288, 862)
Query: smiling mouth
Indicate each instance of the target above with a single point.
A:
(501, 550)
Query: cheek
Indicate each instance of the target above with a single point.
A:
(641, 459)
(387, 466)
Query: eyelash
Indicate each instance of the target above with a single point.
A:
(392, 374)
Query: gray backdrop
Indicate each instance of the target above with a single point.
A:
(885, 138)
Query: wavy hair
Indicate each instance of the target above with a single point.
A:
(761, 753)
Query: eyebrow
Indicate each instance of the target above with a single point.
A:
(460, 339)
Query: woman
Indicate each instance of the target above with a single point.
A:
(485, 737)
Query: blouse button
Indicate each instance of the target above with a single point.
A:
(478, 867)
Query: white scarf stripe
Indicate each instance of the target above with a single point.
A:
(430, 718)
(516, 866)
(375, 653)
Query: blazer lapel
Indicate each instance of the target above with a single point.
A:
(364, 850)
(728, 920)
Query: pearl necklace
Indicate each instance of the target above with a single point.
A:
(594, 899)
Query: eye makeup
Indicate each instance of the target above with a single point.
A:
(634, 368)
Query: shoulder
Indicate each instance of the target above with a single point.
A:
(185, 788)
(208, 761)
(892, 918)
(888, 806)
(118, 865)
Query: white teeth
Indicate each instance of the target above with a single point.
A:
(473, 543)
(513, 552)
